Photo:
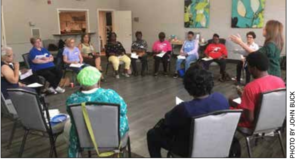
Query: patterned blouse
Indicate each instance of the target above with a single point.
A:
(139, 45)
(116, 48)
(100, 95)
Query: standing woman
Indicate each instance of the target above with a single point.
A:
(273, 32)
(88, 52)
(116, 53)
(71, 54)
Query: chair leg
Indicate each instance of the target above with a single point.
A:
(12, 134)
(52, 145)
(281, 143)
(23, 143)
(129, 147)
(107, 68)
(90, 154)
(248, 141)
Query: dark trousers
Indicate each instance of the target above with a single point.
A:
(220, 62)
(156, 141)
(52, 75)
(165, 59)
(144, 62)
(239, 67)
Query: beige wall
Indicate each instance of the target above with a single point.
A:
(154, 16)
(18, 14)
(167, 15)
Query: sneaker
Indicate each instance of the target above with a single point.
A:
(51, 90)
(60, 90)
(165, 73)
(127, 75)
(175, 75)
(117, 76)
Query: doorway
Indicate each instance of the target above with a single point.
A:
(105, 27)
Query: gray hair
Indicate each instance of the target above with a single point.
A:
(5, 50)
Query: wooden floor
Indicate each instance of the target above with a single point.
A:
(148, 99)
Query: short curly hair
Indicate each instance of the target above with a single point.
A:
(198, 82)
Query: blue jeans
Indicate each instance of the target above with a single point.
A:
(189, 59)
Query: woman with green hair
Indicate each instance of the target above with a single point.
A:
(91, 91)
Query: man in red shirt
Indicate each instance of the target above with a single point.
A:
(218, 53)
(258, 65)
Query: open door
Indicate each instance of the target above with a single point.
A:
(123, 28)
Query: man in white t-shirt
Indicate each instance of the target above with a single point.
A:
(242, 64)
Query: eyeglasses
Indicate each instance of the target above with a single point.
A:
(249, 37)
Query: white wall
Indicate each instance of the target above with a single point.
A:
(167, 16)
(18, 14)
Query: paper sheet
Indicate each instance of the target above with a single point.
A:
(161, 54)
(178, 101)
(134, 55)
(238, 100)
(78, 65)
(181, 57)
(25, 75)
(34, 85)
(53, 112)
(207, 59)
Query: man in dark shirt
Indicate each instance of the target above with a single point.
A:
(175, 131)
(140, 48)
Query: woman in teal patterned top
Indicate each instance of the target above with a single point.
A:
(273, 33)
(90, 92)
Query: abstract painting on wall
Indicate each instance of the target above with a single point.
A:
(247, 13)
(196, 13)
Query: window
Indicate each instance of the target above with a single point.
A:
(73, 21)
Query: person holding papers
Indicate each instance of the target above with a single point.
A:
(10, 73)
(162, 52)
(90, 91)
(72, 56)
(242, 65)
(139, 49)
(41, 63)
(188, 53)
(217, 52)
(173, 132)
(116, 53)
(258, 65)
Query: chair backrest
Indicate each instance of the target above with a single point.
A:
(7, 108)
(271, 111)
(26, 59)
(212, 134)
(29, 109)
(105, 120)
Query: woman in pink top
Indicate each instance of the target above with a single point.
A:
(161, 52)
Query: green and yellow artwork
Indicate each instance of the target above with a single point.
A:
(196, 13)
(247, 13)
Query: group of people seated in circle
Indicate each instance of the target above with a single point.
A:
(262, 64)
